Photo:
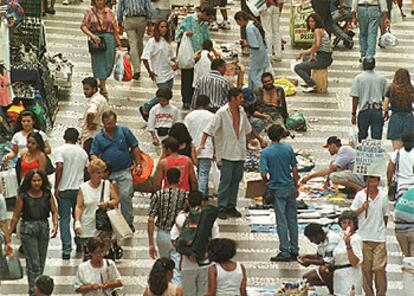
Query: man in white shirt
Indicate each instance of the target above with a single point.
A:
(70, 160)
(230, 128)
(92, 119)
(327, 242)
(196, 121)
(371, 206)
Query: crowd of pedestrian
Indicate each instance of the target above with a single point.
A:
(223, 121)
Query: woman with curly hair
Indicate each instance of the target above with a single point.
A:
(159, 280)
(399, 99)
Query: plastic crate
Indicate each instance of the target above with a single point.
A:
(32, 8)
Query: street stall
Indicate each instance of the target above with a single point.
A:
(299, 33)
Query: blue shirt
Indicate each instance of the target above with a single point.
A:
(116, 150)
(258, 50)
(133, 8)
(277, 160)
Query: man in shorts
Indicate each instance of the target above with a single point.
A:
(326, 242)
(341, 168)
(225, 25)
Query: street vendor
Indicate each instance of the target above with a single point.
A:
(340, 171)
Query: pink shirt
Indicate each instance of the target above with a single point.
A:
(106, 23)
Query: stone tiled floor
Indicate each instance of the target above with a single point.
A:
(327, 115)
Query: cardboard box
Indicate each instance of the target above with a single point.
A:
(255, 188)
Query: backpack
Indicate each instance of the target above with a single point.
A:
(196, 232)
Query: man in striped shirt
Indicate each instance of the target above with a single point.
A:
(134, 14)
(213, 85)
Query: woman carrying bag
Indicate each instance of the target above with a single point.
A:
(34, 204)
(100, 26)
(94, 194)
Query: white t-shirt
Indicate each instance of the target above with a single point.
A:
(175, 233)
(91, 198)
(202, 67)
(74, 160)
(160, 55)
(405, 176)
(326, 248)
(346, 278)
(97, 106)
(196, 121)
(87, 274)
(162, 117)
(21, 141)
(372, 227)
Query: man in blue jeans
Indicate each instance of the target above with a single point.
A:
(367, 92)
(115, 144)
(278, 167)
(368, 14)
(70, 160)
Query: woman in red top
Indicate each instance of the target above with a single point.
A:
(35, 157)
(188, 180)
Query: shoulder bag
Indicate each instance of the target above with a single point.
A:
(92, 45)
(392, 188)
(102, 220)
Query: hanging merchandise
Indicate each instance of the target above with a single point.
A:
(299, 33)
(5, 87)
(15, 14)
(14, 111)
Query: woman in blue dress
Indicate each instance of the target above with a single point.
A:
(258, 50)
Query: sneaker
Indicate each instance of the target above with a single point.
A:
(303, 84)
(222, 214)
(65, 2)
(50, 11)
(136, 76)
(379, 43)
(309, 89)
(349, 44)
(233, 212)
(144, 115)
(65, 256)
(186, 106)
(280, 258)
(412, 12)
(225, 25)
(132, 227)
(213, 26)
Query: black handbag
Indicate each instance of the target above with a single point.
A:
(102, 220)
(50, 169)
(92, 45)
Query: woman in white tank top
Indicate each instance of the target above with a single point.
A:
(226, 277)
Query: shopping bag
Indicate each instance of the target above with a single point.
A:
(287, 86)
(388, 40)
(147, 167)
(10, 267)
(185, 55)
(396, 16)
(119, 66)
(127, 69)
(215, 176)
(8, 182)
(119, 225)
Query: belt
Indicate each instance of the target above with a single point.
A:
(332, 268)
(366, 4)
(139, 15)
(377, 106)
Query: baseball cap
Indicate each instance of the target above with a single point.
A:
(332, 140)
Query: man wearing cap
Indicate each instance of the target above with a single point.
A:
(341, 168)
(367, 92)
(278, 168)
(43, 285)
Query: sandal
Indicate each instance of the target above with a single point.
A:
(49, 10)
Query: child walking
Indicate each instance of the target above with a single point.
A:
(225, 277)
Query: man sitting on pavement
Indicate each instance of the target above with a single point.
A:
(326, 242)
(341, 168)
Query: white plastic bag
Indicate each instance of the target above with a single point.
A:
(388, 40)
(8, 182)
(396, 16)
(185, 55)
(215, 176)
(119, 66)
